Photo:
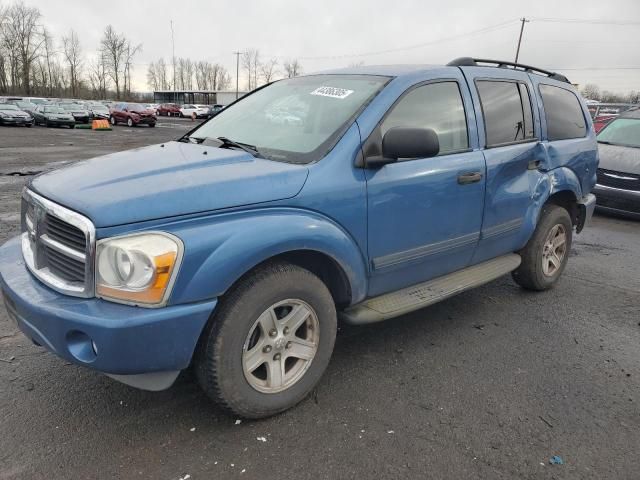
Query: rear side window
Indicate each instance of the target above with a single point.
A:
(437, 106)
(506, 108)
(563, 112)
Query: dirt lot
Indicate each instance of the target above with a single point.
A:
(489, 384)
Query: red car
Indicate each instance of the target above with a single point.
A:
(169, 110)
(133, 114)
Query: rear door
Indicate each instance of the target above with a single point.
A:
(509, 131)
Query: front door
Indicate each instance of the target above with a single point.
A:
(425, 214)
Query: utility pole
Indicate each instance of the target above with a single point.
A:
(173, 49)
(237, 54)
(523, 20)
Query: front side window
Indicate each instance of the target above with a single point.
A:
(622, 131)
(437, 106)
(294, 120)
(506, 108)
(563, 112)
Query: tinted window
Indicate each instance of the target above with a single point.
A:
(563, 112)
(438, 106)
(506, 108)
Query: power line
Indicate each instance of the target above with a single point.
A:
(408, 47)
(585, 20)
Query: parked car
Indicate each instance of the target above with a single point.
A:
(236, 248)
(603, 113)
(618, 187)
(214, 110)
(153, 107)
(133, 114)
(190, 110)
(168, 110)
(98, 111)
(79, 112)
(53, 116)
(23, 105)
(10, 114)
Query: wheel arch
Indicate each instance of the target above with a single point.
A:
(219, 254)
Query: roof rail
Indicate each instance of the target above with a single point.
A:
(475, 62)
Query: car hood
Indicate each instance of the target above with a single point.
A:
(167, 180)
(15, 113)
(619, 158)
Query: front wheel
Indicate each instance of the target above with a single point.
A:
(269, 342)
(113, 120)
(129, 122)
(545, 256)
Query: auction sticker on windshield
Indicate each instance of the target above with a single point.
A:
(333, 92)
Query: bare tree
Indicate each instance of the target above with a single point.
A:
(130, 53)
(251, 63)
(591, 91)
(292, 68)
(98, 76)
(269, 70)
(22, 39)
(73, 57)
(114, 51)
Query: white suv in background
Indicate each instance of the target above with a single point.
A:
(200, 111)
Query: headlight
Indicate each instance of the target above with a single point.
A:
(3, 115)
(138, 269)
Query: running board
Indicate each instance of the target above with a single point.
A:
(424, 294)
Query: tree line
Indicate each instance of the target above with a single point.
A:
(34, 62)
(592, 91)
(203, 75)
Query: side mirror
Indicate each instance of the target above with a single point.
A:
(403, 142)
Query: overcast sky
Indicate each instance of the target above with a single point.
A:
(334, 33)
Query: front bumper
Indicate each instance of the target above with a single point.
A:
(618, 201)
(16, 121)
(115, 339)
(143, 120)
(81, 118)
(57, 121)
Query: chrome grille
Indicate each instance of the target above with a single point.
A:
(622, 180)
(58, 245)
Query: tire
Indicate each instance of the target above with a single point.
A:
(129, 122)
(545, 256)
(151, 125)
(223, 354)
(113, 121)
(47, 124)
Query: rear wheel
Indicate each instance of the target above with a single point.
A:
(269, 342)
(113, 120)
(152, 125)
(545, 256)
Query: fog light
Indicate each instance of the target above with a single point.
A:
(81, 346)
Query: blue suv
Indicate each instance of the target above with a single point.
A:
(358, 194)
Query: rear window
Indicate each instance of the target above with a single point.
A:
(563, 112)
(506, 108)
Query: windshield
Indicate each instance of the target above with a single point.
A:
(295, 120)
(134, 107)
(72, 106)
(99, 108)
(53, 110)
(8, 107)
(622, 131)
(25, 105)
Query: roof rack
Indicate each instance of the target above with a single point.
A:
(474, 62)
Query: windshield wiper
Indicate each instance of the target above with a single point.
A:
(250, 149)
(603, 141)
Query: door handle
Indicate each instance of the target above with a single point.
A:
(467, 178)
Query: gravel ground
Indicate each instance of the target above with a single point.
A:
(489, 384)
